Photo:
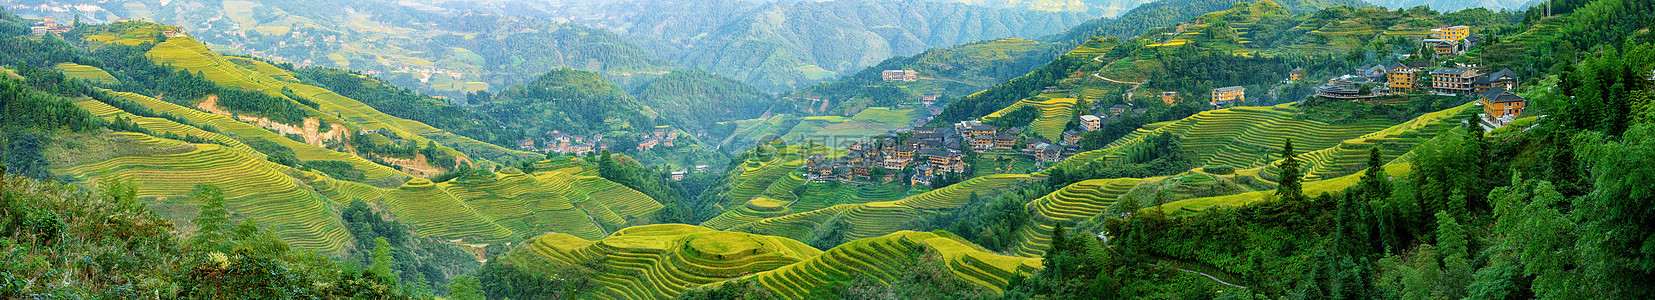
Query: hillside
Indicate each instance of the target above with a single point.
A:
(256, 120)
(663, 261)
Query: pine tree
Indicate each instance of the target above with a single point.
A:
(1290, 188)
(213, 221)
(1059, 244)
(383, 262)
(1375, 183)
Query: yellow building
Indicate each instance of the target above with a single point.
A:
(1229, 94)
(1451, 33)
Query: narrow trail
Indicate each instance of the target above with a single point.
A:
(1210, 277)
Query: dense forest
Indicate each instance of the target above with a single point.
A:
(697, 100)
(566, 100)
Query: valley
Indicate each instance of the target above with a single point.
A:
(1191, 149)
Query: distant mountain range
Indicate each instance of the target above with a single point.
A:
(781, 46)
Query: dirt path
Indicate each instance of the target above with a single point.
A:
(1211, 277)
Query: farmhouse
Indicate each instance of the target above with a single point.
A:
(1505, 79)
(1452, 81)
(1501, 106)
(1227, 95)
(1090, 122)
(1451, 33)
(1402, 77)
(1296, 75)
(899, 75)
(1171, 98)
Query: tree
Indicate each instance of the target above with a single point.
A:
(213, 219)
(465, 287)
(1375, 184)
(1291, 188)
(26, 158)
(1456, 273)
(383, 262)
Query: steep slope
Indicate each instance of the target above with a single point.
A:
(662, 261)
(696, 100)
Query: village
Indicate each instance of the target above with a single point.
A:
(1495, 91)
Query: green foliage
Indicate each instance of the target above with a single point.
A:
(336, 169)
(382, 262)
(567, 100)
(1291, 186)
(696, 99)
(274, 152)
(405, 103)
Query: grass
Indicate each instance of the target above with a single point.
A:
(91, 73)
(508, 205)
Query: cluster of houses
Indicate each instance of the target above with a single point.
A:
(566, 143)
(899, 75)
(931, 150)
(1495, 92)
(49, 24)
(1452, 40)
(661, 136)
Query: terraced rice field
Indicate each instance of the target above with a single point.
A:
(879, 218)
(90, 73)
(507, 205)
(1334, 185)
(192, 56)
(159, 125)
(664, 260)
(1244, 137)
(753, 181)
(307, 152)
(260, 189)
(754, 210)
(1078, 201)
(884, 258)
(1055, 113)
(1351, 156)
(821, 195)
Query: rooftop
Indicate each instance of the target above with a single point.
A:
(1229, 88)
(1501, 95)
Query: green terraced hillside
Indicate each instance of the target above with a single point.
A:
(1351, 156)
(167, 171)
(193, 56)
(1079, 201)
(879, 218)
(664, 260)
(505, 205)
(659, 261)
(1054, 115)
(882, 258)
(91, 73)
(1243, 137)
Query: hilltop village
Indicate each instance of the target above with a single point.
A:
(1495, 91)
